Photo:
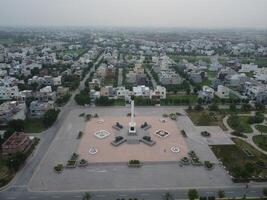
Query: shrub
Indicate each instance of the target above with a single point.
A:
(264, 192)
(50, 117)
(192, 194)
(221, 194)
(58, 167)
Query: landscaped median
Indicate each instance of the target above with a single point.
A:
(242, 161)
(261, 141)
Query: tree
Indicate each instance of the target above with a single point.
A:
(86, 196)
(221, 194)
(246, 107)
(50, 117)
(232, 107)
(213, 107)
(192, 194)
(259, 107)
(167, 196)
(16, 160)
(16, 125)
(82, 98)
(188, 90)
(264, 192)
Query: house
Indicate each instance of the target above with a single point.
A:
(8, 90)
(123, 93)
(95, 83)
(206, 94)
(246, 68)
(223, 92)
(57, 81)
(17, 142)
(108, 91)
(62, 91)
(256, 92)
(38, 109)
(141, 91)
(195, 77)
(11, 110)
(169, 77)
(238, 79)
(158, 93)
(94, 95)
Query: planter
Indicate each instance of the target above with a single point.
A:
(134, 165)
(71, 164)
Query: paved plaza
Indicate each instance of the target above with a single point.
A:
(107, 169)
(161, 151)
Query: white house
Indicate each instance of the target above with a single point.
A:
(223, 92)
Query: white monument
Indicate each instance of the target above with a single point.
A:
(132, 124)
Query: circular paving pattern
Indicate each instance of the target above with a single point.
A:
(175, 149)
(93, 150)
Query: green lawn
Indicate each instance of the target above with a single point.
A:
(242, 126)
(6, 40)
(110, 81)
(191, 59)
(77, 52)
(261, 128)
(234, 158)
(207, 118)
(34, 126)
(5, 174)
(260, 141)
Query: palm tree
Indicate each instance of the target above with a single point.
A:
(86, 196)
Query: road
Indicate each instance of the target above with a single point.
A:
(154, 83)
(120, 77)
(20, 193)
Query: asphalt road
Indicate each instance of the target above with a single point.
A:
(20, 193)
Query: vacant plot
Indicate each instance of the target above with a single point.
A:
(261, 141)
(207, 118)
(237, 161)
(34, 126)
(261, 128)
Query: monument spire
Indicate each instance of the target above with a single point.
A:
(132, 124)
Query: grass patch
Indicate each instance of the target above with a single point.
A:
(240, 123)
(34, 126)
(207, 118)
(5, 174)
(260, 141)
(235, 159)
(261, 128)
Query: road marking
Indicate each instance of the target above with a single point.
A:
(122, 195)
(101, 195)
(230, 192)
(77, 196)
(253, 191)
(11, 197)
(55, 197)
(145, 194)
(33, 197)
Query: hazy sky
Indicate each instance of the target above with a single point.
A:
(169, 13)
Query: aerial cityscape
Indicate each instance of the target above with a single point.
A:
(129, 109)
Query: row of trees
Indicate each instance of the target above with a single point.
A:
(192, 194)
